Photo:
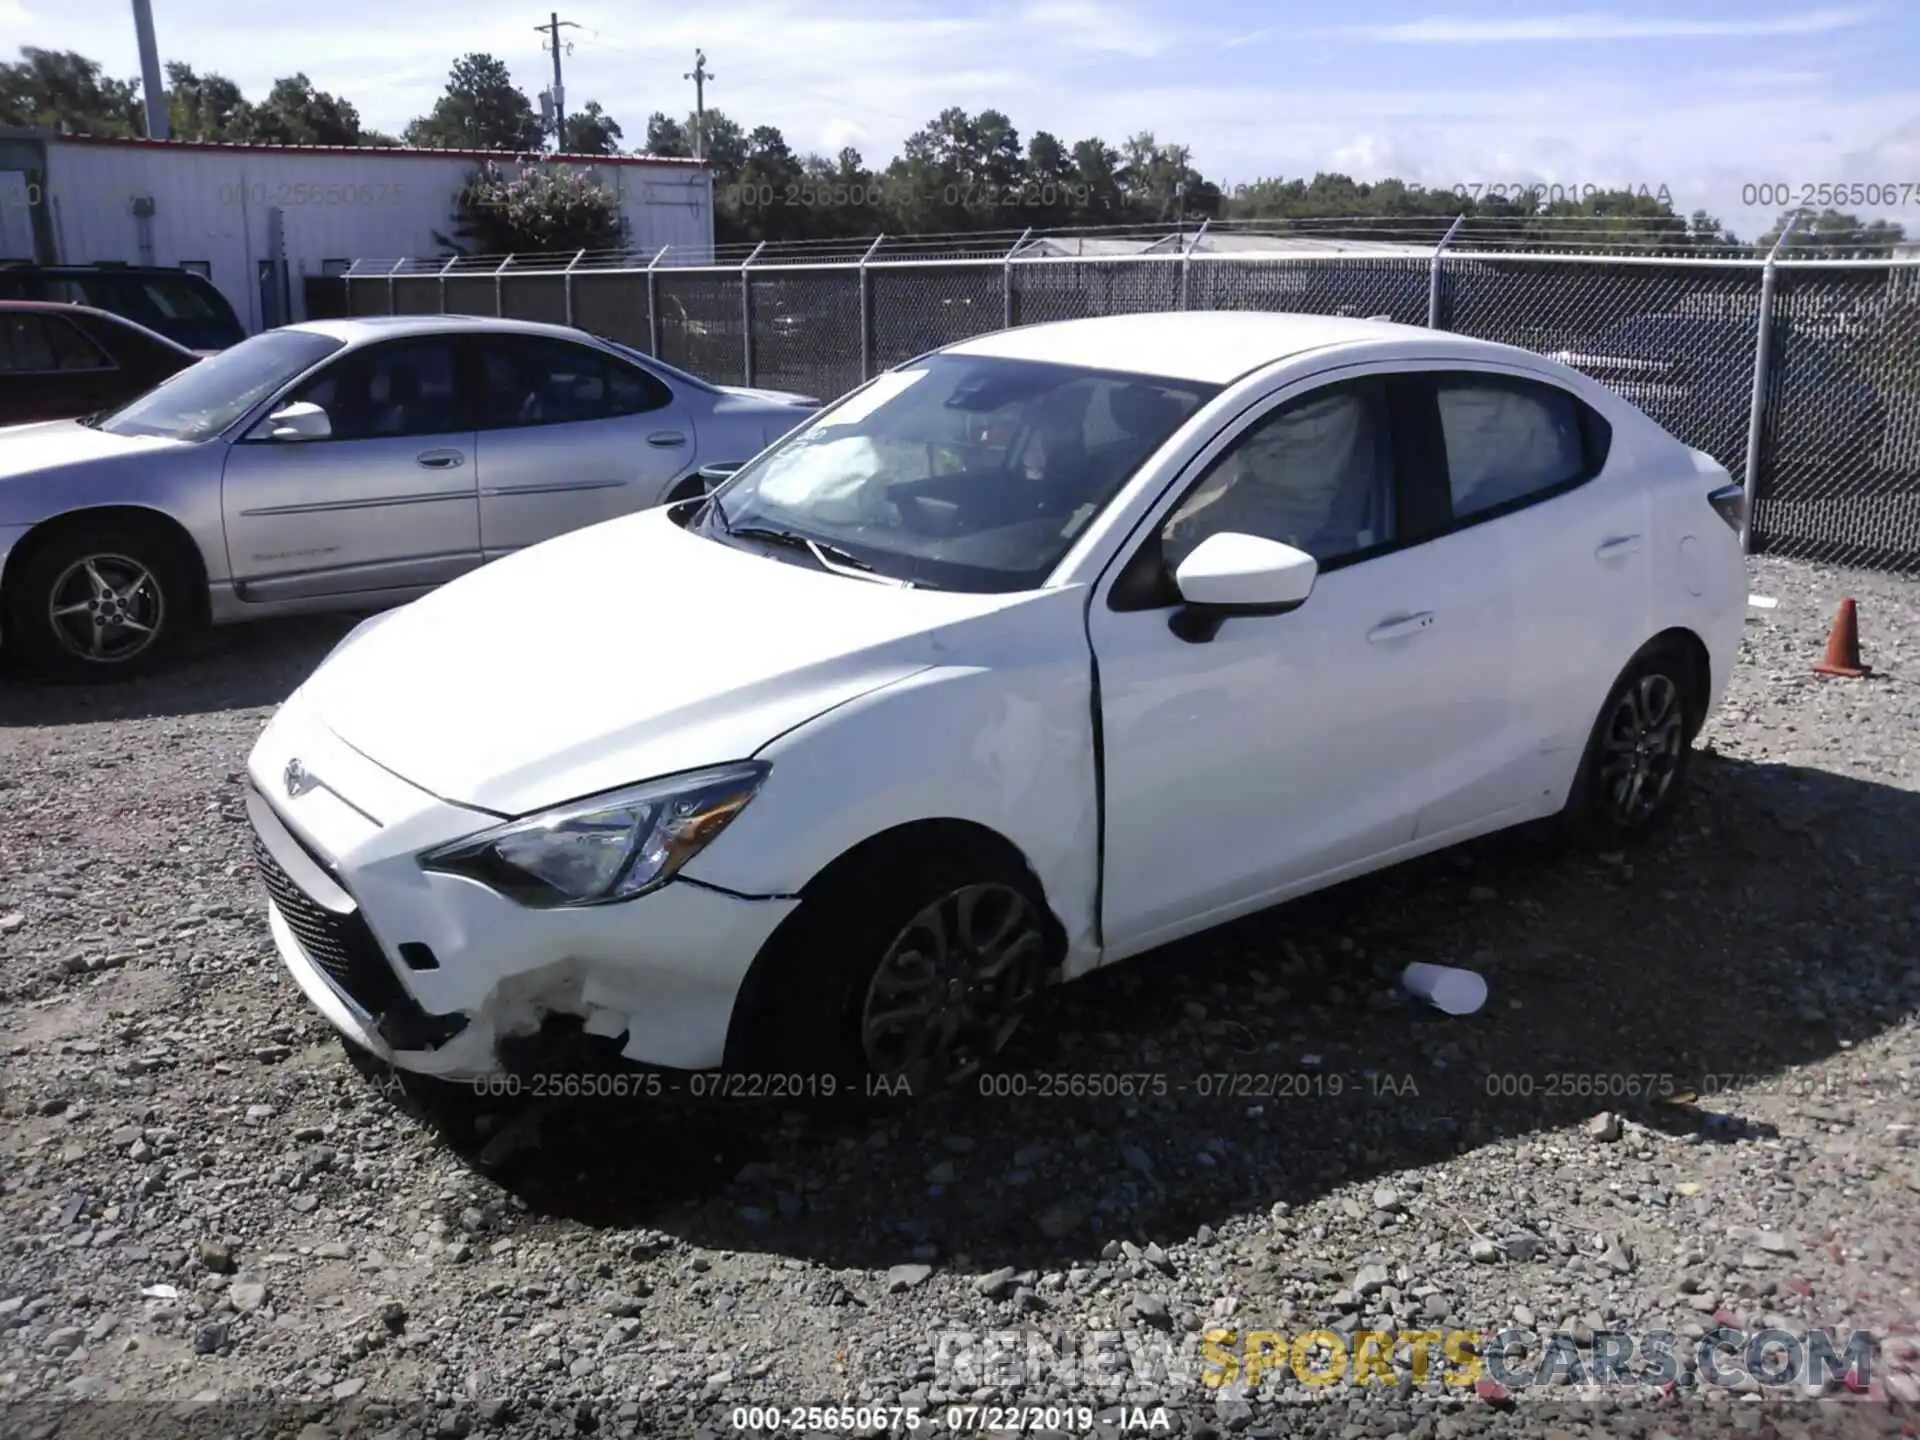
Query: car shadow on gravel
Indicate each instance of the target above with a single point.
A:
(232, 667)
(1274, 1060)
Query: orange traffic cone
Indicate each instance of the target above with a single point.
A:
(1843, 645)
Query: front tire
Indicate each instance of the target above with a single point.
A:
(902, 976)
(99, 603)
(1634, 774)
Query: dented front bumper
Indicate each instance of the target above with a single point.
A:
(430, 971)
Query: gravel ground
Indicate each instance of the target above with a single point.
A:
(1691, 1103)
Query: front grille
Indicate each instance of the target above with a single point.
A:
(341, 945)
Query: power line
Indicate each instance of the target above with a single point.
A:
(552, 30)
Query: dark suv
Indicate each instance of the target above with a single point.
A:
(186, 308)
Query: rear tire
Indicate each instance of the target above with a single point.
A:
(904, 975)
(1633, 777)
(95, 603)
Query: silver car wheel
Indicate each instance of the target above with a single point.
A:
(106, 609)
(1640, 750)
(950, 990)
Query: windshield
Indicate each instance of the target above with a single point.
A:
(204, 399)
(960, 472)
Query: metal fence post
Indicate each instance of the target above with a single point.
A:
(1186, 262)
(393, 290)
(1762, 359)
(499, 288)
(653, 304)
(866, 313)
(442, 277)
(569, 283)
(746, 313)
(1006, 278)
(1433, 277)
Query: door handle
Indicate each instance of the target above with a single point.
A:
(441, 459)
(1618, 548)
(1399, 626)
(667, 439)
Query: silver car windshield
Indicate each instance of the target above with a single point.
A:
(959, 472)
(202, 400)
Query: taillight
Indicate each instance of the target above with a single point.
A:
(1730, 504)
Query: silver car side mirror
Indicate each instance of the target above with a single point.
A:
(302, 420)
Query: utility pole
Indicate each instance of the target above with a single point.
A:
(699, 75)
(150, 74)
(552, 30)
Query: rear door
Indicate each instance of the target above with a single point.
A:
(569, 435)
(1528, 492)
(387, 502)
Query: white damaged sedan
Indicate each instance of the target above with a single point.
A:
(1030, 655)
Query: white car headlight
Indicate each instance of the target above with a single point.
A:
(608, 847)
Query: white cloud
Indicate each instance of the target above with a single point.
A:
(839, 132)
(1461, 30)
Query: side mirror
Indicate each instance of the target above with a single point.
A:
(712, 476)
(1230, 574)
(302, 420)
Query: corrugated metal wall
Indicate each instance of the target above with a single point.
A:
(210, 206)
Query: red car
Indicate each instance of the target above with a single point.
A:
(59, 360)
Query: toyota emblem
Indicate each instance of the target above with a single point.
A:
(296, 778)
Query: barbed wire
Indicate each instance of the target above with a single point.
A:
(1289, 237)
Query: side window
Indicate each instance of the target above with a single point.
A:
(1507, 440)
(177, 300)
(631, 391)
(550, 382)
(389, 391)
(71, 349)
(1317, 474)
(24, 347)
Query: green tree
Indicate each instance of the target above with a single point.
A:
(63, 90)
(540, 210)
(666, 136)
(761, 199)
(294, 113)
(206, 107)
(482, 109)
(1160, 184)
(1833, 232)
(591, 131)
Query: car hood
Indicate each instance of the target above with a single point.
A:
(621, 652)
(66, 446)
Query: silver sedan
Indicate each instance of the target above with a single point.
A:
(341, 465)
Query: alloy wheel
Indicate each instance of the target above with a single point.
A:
(106, 609)
(949, 992)
(1640, 750)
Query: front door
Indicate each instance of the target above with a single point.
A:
(386, 503)
(1288, 750)
(569, 436)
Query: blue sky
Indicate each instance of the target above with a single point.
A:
(1704, 97)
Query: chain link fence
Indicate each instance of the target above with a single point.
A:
(1836, 463)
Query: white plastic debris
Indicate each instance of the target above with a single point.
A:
(1445, 987)
(1762, 602)
(160, 1292)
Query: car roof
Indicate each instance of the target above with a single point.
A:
(142, 271)
(1211, 347)
(362, 328)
